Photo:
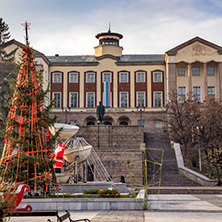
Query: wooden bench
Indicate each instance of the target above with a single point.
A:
(67, 216)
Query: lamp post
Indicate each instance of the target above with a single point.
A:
(98, 123)
(166, 119)
(165, 122)
(141, 110)
(66, 112)
(200, 145)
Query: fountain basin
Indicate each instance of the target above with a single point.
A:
(82, 153)
(67, 132)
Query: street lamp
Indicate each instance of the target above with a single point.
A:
(167, 107)
(141, 122)
(200, 145)
(98, 123)
(66, 112)
(165, 124)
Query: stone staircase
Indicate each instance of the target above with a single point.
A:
(170, 174)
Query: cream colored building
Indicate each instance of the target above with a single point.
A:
(139, 85)
(195, 67)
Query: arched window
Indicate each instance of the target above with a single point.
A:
(90, 120)
(124, 121)
(90, 123)
(108, 120)
(108, 123)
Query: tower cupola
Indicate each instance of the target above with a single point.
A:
(108, 44)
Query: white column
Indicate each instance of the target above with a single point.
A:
(205, 91)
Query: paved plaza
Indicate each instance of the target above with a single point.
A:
(162, 208)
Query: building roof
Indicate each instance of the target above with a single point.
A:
(142, 58)
(71, 59)
(109, 33)
(91, 58)
(36, 53)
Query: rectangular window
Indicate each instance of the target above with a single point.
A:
(123, 99)
(158, 101)
(181, 93)
(181, 71)
(158, 124)
(140, 77)
(140, 99)
(210, 70)
(57, 77)
(90, 99)
(197, 93)
(73, 77)
(90, 77)
(74, 122)
(123, 77)
(107, 77)
(195, 71)
(211, 90)
(141, 122)
(73, 99)
(157, 77)
(57, 96)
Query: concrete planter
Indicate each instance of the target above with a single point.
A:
(74, 204)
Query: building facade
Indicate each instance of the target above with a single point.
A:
(195, 67)
(134, 88)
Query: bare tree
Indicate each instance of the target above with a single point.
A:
(182, 120)
(211, 134)
(197, 127)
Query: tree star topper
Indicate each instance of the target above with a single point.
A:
(26, 26)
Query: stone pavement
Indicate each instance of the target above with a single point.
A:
(182, 217)
(116, 216)
(187, 202)
(162, 208)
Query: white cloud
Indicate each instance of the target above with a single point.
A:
(148, 26)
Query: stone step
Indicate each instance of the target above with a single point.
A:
(170, 174)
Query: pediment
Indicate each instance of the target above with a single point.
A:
(198, 46)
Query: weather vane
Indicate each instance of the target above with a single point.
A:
(26, 26)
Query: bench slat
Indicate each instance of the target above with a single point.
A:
(64, 216)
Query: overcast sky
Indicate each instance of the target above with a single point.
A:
(68, 27)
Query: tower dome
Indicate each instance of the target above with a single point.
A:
(108, 44)
(109, 38)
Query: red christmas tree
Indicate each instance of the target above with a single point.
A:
(28, 142)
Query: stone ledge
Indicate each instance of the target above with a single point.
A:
(196, 177)
(191, 174)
